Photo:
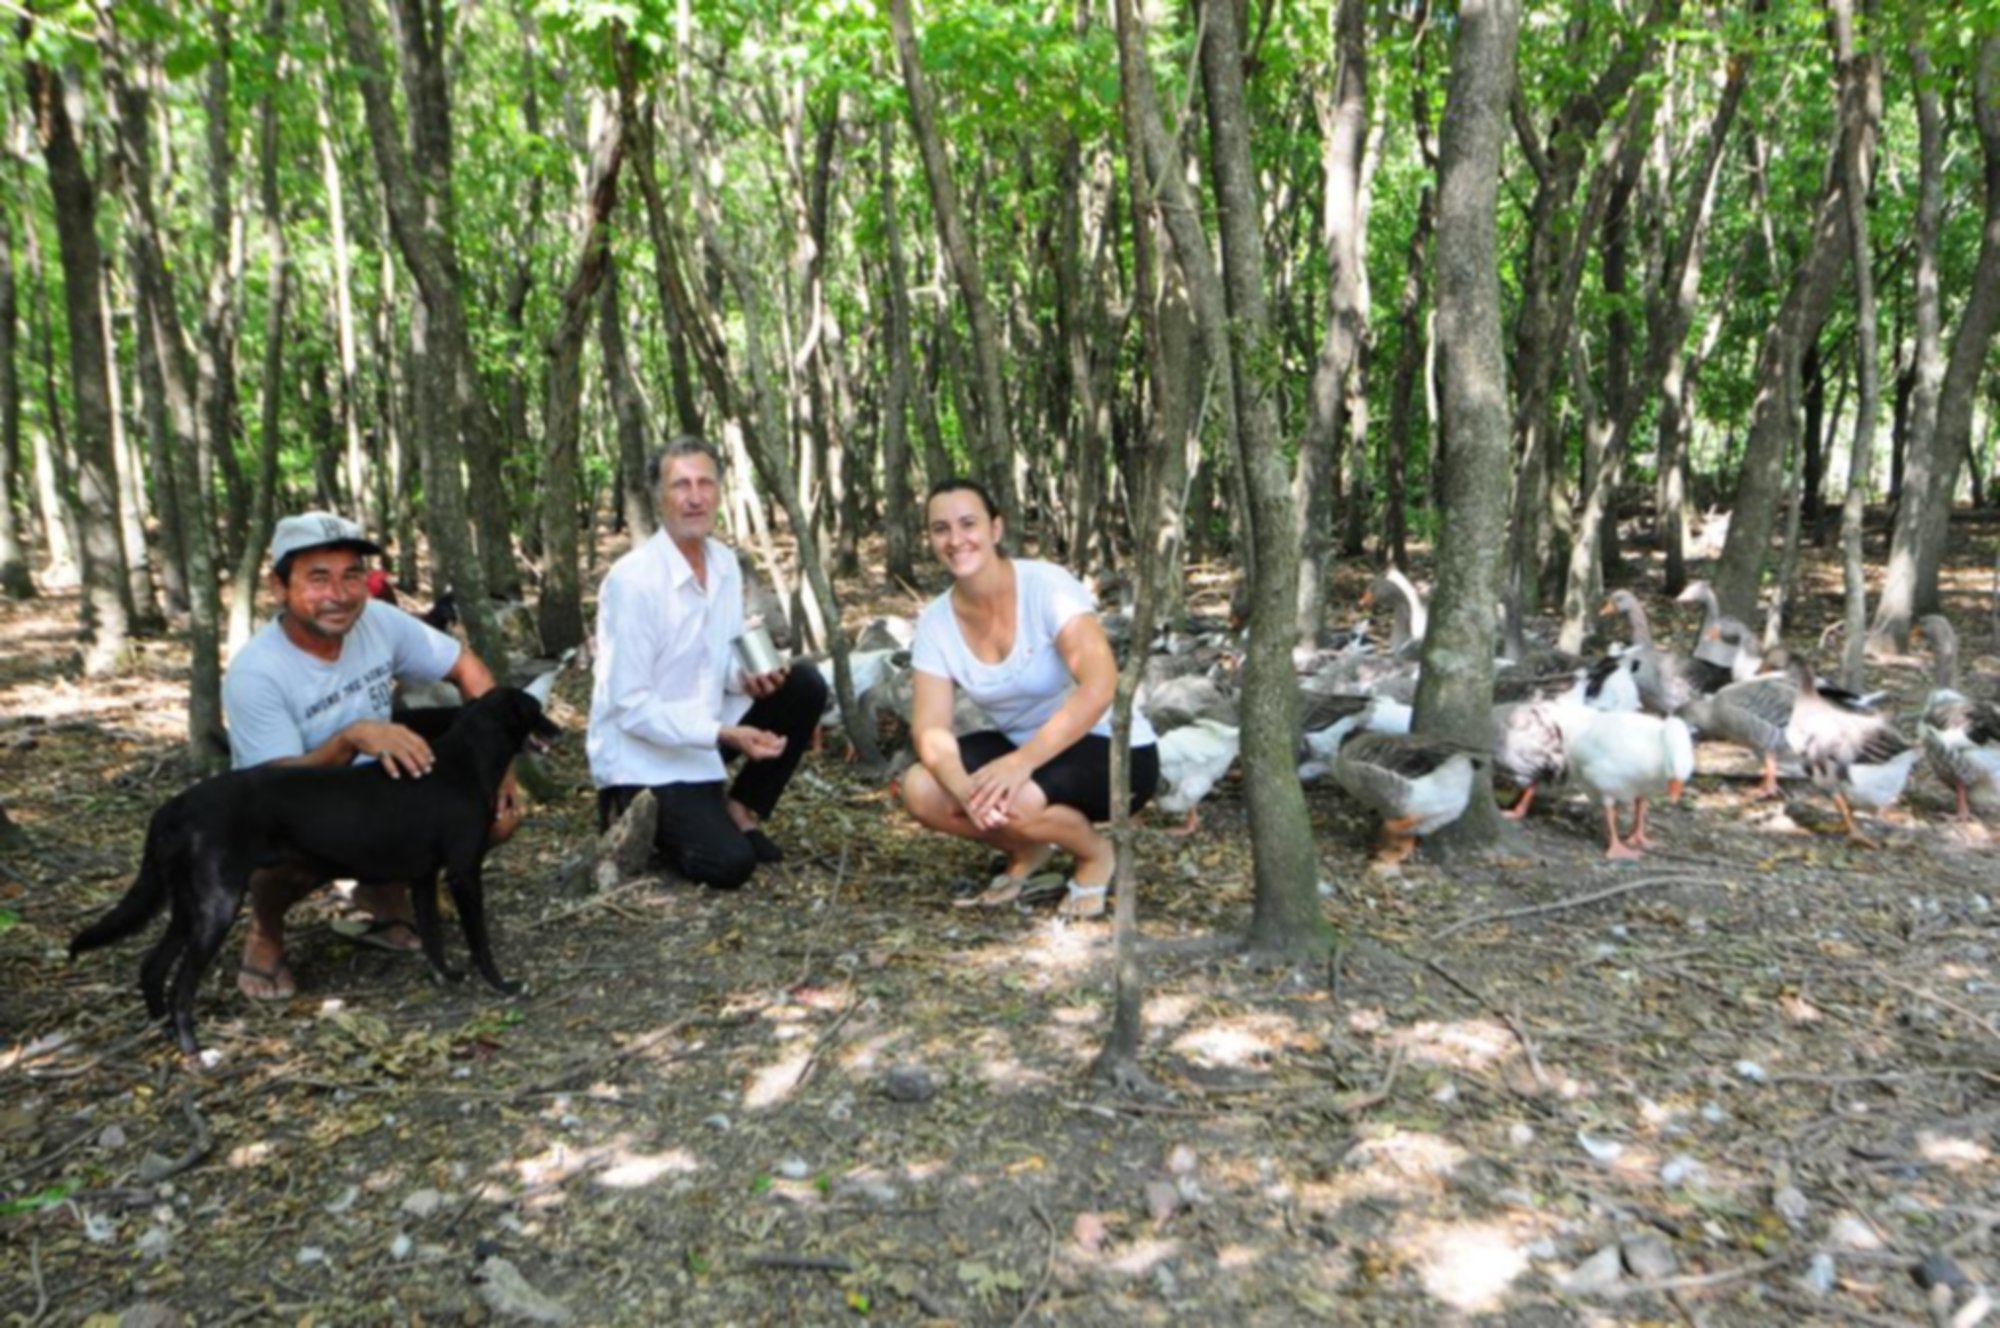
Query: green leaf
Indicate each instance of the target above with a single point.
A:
(9, 919)
(32, 1203)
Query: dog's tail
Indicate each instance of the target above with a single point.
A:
(149, 893)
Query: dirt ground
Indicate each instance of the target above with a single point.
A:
(1749, 1080)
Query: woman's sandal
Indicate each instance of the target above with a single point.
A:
(1001, 891)
(1083, 902)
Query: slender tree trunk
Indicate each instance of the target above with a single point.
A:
(1924, 543)
(1344, 123)
(899, 510)
(14, 579)
(1410, 320)
(107, 593)
(1455, 696)
(215, 364)
(1861, 109)
(165, 349)
(55, 497)
(347, 401)
(1774, 413)
(637, 502)
(146, 617)
(560, 612)
(991, 430)
(421, 220)
(1287, 917)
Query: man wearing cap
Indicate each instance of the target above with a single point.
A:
(313, 687)
(672, 703)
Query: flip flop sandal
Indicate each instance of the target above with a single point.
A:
(1083, 903)
(1001, 891)
(283, 985)
(377, 933)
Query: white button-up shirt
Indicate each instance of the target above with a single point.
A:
(667, 679)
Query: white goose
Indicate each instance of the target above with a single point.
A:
(1623, 757)
(1961, 736)
(1396, 589)
(1193, 758)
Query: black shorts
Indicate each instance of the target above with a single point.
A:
(1079, 777)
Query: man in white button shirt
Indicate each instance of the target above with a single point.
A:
(671, 705)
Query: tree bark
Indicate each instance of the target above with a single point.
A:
(637, 503)
(1861, 111)
(420, 217)
(172, 361)
(1344, 124)
(560, 613)
(14, 579)
(1918, 544)
(1455, 695)
(1287, 917)
(215, 351)
(899, 509)
(107, 593)
(992, 432)
(1774, 412)
(55, 496)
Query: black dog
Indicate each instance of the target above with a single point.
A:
(354, 822)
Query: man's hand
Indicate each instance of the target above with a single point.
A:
(400, 750)
(760, 685)
(755, 744)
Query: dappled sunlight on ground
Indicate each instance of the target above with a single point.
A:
(1468, 1266)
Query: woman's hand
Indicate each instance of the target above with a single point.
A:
(991, 790)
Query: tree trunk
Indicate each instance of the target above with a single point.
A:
(14, 579)
(899, 509)
(991, 431)
(1343, 120)
(215, 364)
(165, 345)
(347, 401)
(1923, 543)
(1774, 413)
(1455, 696)
(637, 502)
(107, 594)
(420, 218)
(55, 496)
(1861, 111)
(1287, 917)
(560, 613)
(146, 616)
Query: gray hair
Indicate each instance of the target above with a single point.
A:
(686, 445)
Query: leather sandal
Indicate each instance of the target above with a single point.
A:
(1001, 891)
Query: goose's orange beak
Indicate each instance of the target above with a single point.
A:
(1607, 609)
(1368, 598)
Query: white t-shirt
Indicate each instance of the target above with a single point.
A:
(280, 701)
(1021, 691)
(667, 678)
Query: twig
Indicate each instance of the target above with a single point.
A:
(1699, 1281)
(1354, 1106)
(826, 1038)
(49, 1159)
(41, 1290)
(203, 1145)
(1575, 901)
(826, 922)
(599, 1064)
(1921, 993)
(595, 901)
(1506, 1017)
(1812, 1309)
(1048, 1267)
(805, 1263)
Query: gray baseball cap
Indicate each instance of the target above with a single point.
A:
(318, 530)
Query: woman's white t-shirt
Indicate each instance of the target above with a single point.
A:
(1020, 692)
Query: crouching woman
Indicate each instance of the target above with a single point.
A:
(1022, 639)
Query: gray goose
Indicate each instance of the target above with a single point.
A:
(1961, 736)
(1850, 751)
(1667, 681)
(1417, 785)
(1721, 639)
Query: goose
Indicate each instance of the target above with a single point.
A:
(1721, 638)
(1193, 758)
(1961, 736)
(1847, 749)
(1527, 739)
(1619, 757)
(1752, 713)
(1667, 681)
(1406, 637)
(1417, 785)
(1373, 714)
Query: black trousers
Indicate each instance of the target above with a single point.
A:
(695, 835)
